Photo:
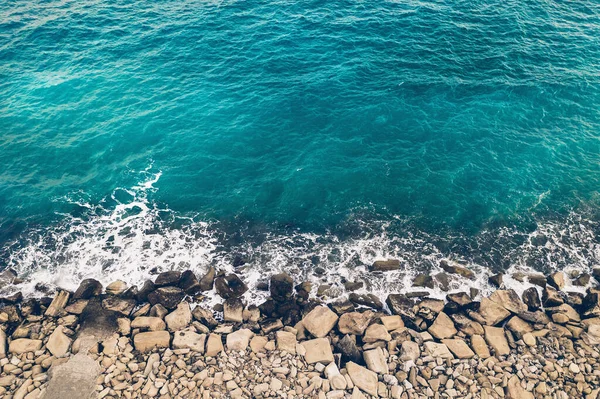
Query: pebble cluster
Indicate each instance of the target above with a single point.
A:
(159, 342)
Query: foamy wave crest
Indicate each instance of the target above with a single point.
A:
(129, 237)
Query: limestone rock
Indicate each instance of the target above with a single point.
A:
(354, 322)
(509, 300)
(369, 300)
(375, 361)
(286, 341)
(348, 349)
(2, 343)
(385, 265)
(116, 304)
(257, 344)
(169, 297)
(480, 347)
(409, 351)
(456, 269)
(233, 310)
(148, 323)
(515, 391)
(491, 312)
(238, 340)
(88, 288)
(557, 280)
(57, 307)
(204, 316)
(147, 341)
(207, 281)
(496, 338)
(189, 340)
(467, 325)
(180, 318)
(442, 327)
(116, 287)
(437, 350)
(364, 379)
(459, 348)
(320, 321)
(214, 345)
(24, 345)
(58, 343)
(399, 304)
(376, 332)
(392, 322)
(318, 351)
(281, 287)
(551, 297)
(518, 326)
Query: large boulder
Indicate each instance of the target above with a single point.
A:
(557, 280)
(320, 321)
(116, 287)
(87, 289)
(57, 306)
(148, 323)
(207, 281)
(551, 297)
(437, 350)
(347, 347)
(496, 338)
(147, 341)
(170, 278)
(531, 298)
(317, 351)
(480, 347)
(456, 269)
(514, 390)
(169, 297)
(233, 310)
(399, 304)
(230, 286)
(509, 300)
(189, 340)
(239, 340)
(467, 325)
(364, 379)
(282, 287)
(409, 351)
(58, 343)
(376, 332)
(491, 312)
(24, 345)
(189, 283)
(214, 345)
(354, 322)
(459, 348)
(442, 327)
(376, 361)
(180, 318)
(385, 265)
(369, 300)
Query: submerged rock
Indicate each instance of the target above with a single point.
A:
(282, 287)
(385, 265)
(456, 269)
(207, 281)
(87, 289)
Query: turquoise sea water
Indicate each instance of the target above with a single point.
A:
(288, 135)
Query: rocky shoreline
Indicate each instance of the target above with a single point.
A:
(159, 341)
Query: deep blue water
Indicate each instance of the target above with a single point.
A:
(280, 132)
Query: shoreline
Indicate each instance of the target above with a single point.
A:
(158, 341)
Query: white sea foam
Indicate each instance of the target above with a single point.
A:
(134, 236)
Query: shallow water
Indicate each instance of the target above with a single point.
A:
(298, 135)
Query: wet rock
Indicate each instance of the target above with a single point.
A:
(364, 379)
(509, 300)
(442, 327)
(456, 269)
(320, 321)
(399, 304)
(459, 348)
(230, 286)
(189, 283)
(557, 280)
(496, 338)
(496, 280)
(531, 298)
(207, 281)
(582, 280)
(57, 307)
(342, 307)
(423, 280)
(537, 317)
(12, 299)
(354, 322)
(147, 341)
(591, 304)
(189, 340)
(460, 298)
(551, 297)
(385, 265)
(491, 312)
(353, 285)
(271, 325)
(116, 287)
(392, 322)
(180, 318)
(369, 300)
(233, 310)
(169, 297)
(147, 288)
(442, 281)
(159, 311)
(282, 287)
(204, 316)
(116, 304)
(87, 289)
(348, 349)
(170, 278)
(7, 277)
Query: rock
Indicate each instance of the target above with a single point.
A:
(189, 283)
(531, 298)
(88, 288)
(169, 278)
(148, 323)
(116, 287)
(169, 297)
(437, 350)
(409, 351)
(354, 322)
(189, 340)
(348, 349)
(147, 341)
(24, 345)
(353, 285)
(459, 348)
(238, 340)
(518, 326)
(460, 298)
(529, 339)
(496, 338)
(77, 306)
(385, 265)
(391, 322)
(320, 321)
(116, 304)
(233, 310)
(258, 343)
(207, 281)
(456, 269)
(515, 391)
(58, 343)
(551, 297)
(214, 345)
(124, 325)
(376, 332)
(369, 300)
(286, 341)
(496, 280)
(180, 318)
(423, 280)
(435, 305)
(399, 304)
(147, 288)
(557, 280)
(538, 317)
(491, 312)
(480, 347)
(317, 351)
(230, 286)
(442, 327)
(204, 316)
(270, 325)
(282, 287)
(375, 361)
(466, 325)
(364, 379)
(509, 300)
(2, 343)
(582, 280)
(57, 307)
